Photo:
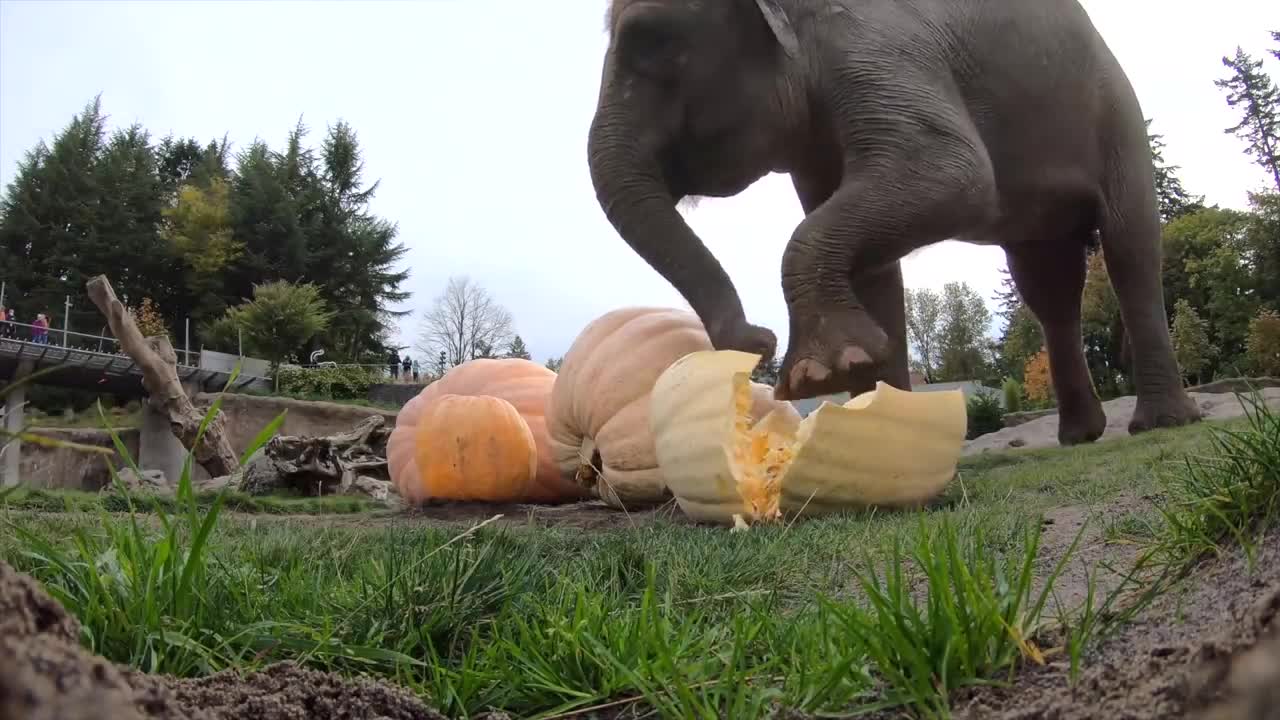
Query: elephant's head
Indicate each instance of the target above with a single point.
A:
(694, 100)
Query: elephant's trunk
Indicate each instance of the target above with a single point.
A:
(634, 194)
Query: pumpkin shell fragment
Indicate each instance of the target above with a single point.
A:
(886, 447)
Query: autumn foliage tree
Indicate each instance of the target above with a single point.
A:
(1037, 383)
(148, 319)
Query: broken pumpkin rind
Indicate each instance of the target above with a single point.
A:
(887, 447)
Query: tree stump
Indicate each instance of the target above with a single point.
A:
(159, 365)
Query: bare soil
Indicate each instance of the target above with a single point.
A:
(46, 674)
(1208, 650)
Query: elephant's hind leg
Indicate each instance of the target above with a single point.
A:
(1050, 277)
(1130, 230)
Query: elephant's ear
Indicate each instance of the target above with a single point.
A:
(780, 25)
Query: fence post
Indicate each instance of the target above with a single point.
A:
(66, 321)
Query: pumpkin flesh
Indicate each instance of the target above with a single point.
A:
(887, 447)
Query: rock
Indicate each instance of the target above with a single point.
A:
(261, 476)
(379, 490)
(150, 482)
(214, 485)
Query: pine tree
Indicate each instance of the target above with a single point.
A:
(517, 349)
(129, 212)
(352, 252)
(1252, 91)
(1174, 199)
(49, 219)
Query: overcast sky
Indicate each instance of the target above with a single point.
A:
(474, 116)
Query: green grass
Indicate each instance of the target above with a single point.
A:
(1227, 495)
(824, 616)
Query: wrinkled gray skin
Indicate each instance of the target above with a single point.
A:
(902, 123)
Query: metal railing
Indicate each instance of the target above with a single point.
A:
(15, 331)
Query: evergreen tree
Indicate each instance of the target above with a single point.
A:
(129, 212)
(1174, 199)
(553, 364)
(517, 349)
(1022, 337)
(1253, 93)
(352, 253)
(767, 371)
(50, 219)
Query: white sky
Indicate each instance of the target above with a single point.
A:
(474, 115)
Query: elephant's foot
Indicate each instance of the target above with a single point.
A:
(1173, 409)
(836, 353)
(1083, 425)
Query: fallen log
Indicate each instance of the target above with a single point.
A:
(324, 465)
(158, 362)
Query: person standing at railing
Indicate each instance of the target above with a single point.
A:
(6, 327)
(40, 330)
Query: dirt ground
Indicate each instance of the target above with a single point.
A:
(1207, 651)
(46, 675)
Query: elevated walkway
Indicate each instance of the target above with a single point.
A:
(94, 363)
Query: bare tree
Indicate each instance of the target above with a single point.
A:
(464, 323)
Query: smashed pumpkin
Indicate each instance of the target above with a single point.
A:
(886, 447)
(524, 384)
(598, 414)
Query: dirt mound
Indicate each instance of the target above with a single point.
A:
(1208, 650)
(1043, 432)
(47, 674)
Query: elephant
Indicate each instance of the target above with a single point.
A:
(901, 123)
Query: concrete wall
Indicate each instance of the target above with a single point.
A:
(226, 362)
(64, 469)
(396, 394)
(245, 416)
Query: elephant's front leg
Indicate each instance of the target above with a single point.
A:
(878, 216)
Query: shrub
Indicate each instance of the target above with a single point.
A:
(1037, 381)
(345, 382)
(1012, 395)
(1264, 342)
(985, 414)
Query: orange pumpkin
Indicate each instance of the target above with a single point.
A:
(524, 384)
(598, 414)
(471, 447)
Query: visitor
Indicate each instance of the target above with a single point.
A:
(408, 367)
(6, 327)
(417, 369)
(40, 330)
(393, 365)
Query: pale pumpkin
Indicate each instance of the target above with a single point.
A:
(524, 384)
(471, 447)
(885, 448)
(598, 415)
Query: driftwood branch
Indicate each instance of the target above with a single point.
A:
(326, 464)
(159, 365)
